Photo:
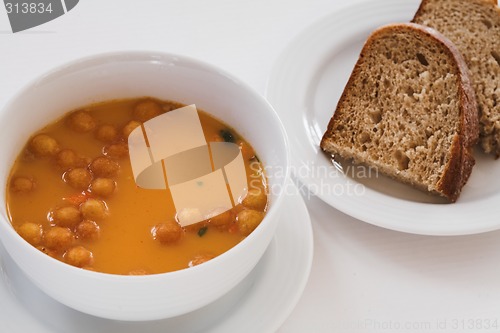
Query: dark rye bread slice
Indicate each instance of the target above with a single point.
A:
(474, 27)
(409, 110)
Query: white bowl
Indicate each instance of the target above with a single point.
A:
(168, 77)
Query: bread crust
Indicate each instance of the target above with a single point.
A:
(424, 3)
(459, 166)
(489, 139)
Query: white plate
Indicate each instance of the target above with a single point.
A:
(305, 86)
(261, 303)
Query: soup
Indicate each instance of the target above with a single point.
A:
(72, 194)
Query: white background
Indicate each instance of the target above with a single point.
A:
(364, 278)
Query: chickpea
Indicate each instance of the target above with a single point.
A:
(68, 216)
(22, 184)
(78, 256)
(87, 230)
(146, 110)
(81, 121)
(256, 198)
(67, 159)
(106, 133)
(78, 178)
(58, 239)
(222, 219)
(129, 127)
(43, 145)
(116, 150)
(103, 166)
(168, 232)
(247, 220)
(102, 187)
(93, 209)
(31, 232)
(256, 171)
(200, 259)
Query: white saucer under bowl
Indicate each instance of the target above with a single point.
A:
(261, 303)
(304, 88)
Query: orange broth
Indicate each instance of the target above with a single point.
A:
(126, 243)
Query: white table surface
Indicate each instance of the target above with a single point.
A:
(364, 278)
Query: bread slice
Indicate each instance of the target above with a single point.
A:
(409, 110)
(474, 27)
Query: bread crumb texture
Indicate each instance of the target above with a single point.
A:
(474, 27)
(401, 110)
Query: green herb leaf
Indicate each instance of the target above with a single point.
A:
(202, 231)
(227, 135)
